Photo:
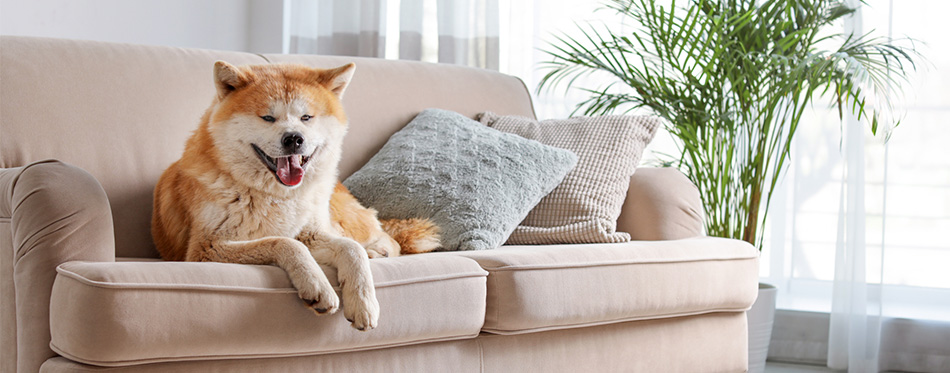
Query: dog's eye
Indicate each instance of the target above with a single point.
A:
(269, 118)
(305, 118)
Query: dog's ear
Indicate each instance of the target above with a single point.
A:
(228, 78)
(336, 80)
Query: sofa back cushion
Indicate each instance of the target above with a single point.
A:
(123, 112)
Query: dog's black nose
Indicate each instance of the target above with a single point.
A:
(292, 141)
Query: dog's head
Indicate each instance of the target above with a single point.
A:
(275, 126)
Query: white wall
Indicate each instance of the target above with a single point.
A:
(267, 26)
(240, 25)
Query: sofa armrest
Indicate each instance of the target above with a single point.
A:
(661, 204)
(50, 213)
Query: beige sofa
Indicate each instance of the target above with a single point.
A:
(82, 290)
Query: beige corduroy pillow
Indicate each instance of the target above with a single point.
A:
(584, 208)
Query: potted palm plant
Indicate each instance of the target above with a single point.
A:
(733, 79)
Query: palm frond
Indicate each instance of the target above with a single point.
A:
(733, 80)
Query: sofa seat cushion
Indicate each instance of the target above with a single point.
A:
(537, 288)
(127, 313)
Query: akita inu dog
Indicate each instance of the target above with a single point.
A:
(257, 184)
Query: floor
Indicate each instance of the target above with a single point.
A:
(773, 367)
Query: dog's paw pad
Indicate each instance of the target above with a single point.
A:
(362, 312)
(320, 309)
(322, 303)
(362, 325)
(316, 308)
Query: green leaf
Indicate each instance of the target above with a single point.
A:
(732, 79)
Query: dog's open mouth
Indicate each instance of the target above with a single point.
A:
(288, 169)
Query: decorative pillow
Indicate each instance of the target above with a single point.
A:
(585, 207)
(474, 182)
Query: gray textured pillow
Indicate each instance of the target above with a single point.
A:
(476, 183)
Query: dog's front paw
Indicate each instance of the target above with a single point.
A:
(323, 302)
(360, 308)
(318, 297)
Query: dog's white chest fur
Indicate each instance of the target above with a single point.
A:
(247, 215)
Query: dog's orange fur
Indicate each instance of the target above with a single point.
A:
(414, 236)
(411, 236)
(220, 202)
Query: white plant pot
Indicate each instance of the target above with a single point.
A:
(761, 316)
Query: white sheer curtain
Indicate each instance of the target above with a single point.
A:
(468, 32)
(855, 325)
(465, 32)
(859, 225)
(503, 35)
(338, 27)
(855, 322)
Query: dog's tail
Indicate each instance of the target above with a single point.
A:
(413, 235)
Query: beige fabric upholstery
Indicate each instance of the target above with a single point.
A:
(585, 206)
(121, 112)
(452, 356)
(707, 343)
(533, 288)
(384, 95)
(661, 204)
(50, 213)
(115, 314)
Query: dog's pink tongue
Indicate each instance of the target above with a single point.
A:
(289, 170)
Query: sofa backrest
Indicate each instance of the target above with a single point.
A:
(123, 112)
